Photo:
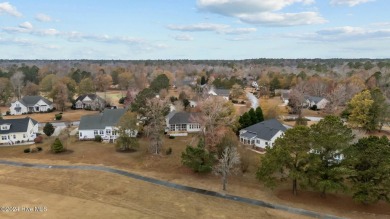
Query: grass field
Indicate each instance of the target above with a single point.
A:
(166, 167)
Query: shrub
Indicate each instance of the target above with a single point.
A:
(33, 149)
(171, 137)
(27, 150)
(58, 116)
(57, 146)
(314, 107)
(122, 100)
(168, 151)
(38, 139)
(48, 129)
(39, 148)
(98, 138)
(8, 113)
(234, 101)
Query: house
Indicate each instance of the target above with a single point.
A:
(181, 123)
(193, 103)
(320, 102)
(225, 93)
(104, 124)
(14, 131)
(89, 101)
(285, 96)
(30, 104)
(254, 84)
(262, 134)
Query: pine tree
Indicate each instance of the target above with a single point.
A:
(259, 114)
(57, 146)
(48, 129)
(252, 117)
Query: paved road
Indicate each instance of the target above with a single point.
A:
(175, 186)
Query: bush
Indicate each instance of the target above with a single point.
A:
(48, 129)
(122, 100)
(27, 150)
(57, 146)
(171, 137)
(98, 138)
(38, 139)
(8, 113)
(314, 107)
(39, 148)
(58, 116)
(168, 151)
(234, 101)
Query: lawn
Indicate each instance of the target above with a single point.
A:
(169, 167)
(67, 116)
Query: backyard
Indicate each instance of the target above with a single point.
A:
(164, 167)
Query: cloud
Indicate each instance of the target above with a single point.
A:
(26, 25)
(264, 12)
(198, 27)
(350, 3)
(218, 28)
(345, 33)
(7, 8)
(28, 28)
(183, 37)
(43, 18)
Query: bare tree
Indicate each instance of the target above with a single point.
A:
(336, 98)
(60, 95)
(5, 90)
(31, 89)
(155, 111)
(296, 101)
(17, 83)
(216, 113)
(227, 164)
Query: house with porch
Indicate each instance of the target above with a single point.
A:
(89, 101)
(104, 124)
(31, 104)
(262, 134)
(15, 131)
(181, 123)
(224, 93)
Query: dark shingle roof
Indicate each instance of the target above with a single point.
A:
(267, 129)
(91, 96)
(109, 117)
(17, 125)
(314, 99)
(222, 92)
(182, 118)
(32, 100)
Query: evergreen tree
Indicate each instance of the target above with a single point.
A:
(48, 129)
(369, 163)
(252, 117)
(57, 146)
(159, 83)
(287, 159)
(198, 158)
(259, 114)
(203, 80)
(330, 138)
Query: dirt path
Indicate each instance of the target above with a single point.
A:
(175, 186)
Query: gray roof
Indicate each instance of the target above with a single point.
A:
(109, 117)
(314, 99)
(91, 96)
(248, 135)
(182, 118)
(17, 125)
(32, 100)
(222, 92)
(267, 129)
(285, 94)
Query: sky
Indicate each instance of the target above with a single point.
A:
(194, 29)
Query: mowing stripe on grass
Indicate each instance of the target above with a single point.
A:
(286, 208)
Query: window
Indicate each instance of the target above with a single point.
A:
(257, 141)
(3, 137)
(81, 134)
(101, 132)
(172, 128)
(14, 136)
(95, 132)
(108, 131)
(114, 132)
(24, 135)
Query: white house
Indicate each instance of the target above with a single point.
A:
(104, 124)
(181, 123)
(89, 101)
(320, 102)
(225, 93)
(14, 131)
(30, 104)
(285, 96)
(262, 134)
